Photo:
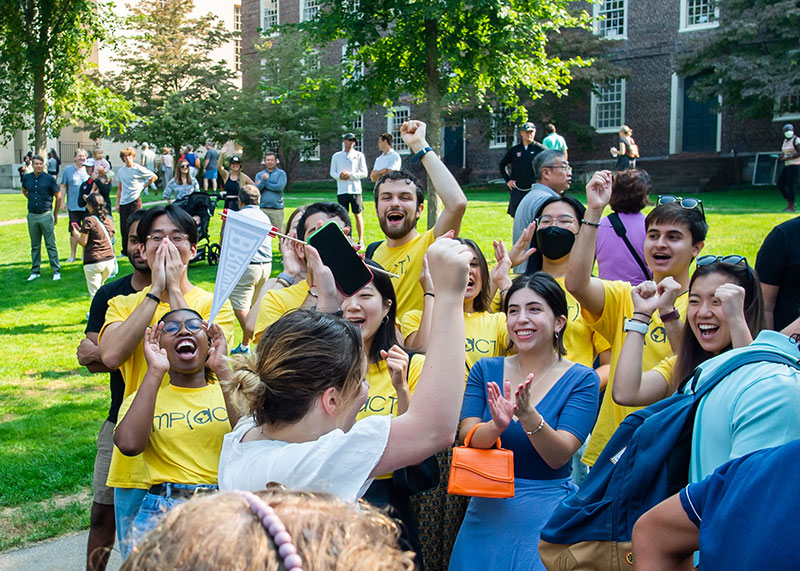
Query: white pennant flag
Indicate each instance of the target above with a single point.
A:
(240, 241)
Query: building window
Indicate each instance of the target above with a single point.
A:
(699, 14)
(237, 37)
(787, 108)
(394, 120)
(309, 9)
(608, 107)
(611, 18)
(501, 126)
(313, 153)
(269, 16)
(358, 129)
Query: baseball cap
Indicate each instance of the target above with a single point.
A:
(88, 162)
(348, 137)
(528, 127)
(236, 159)
(788, 127)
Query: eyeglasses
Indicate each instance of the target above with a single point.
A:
(184, 166)
(566, 168)
(733, 259)
(177, 238)
(561, 221)
(687, 203)
(192, 325)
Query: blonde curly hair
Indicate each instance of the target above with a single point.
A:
(219, 532)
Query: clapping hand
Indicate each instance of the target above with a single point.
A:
(500, 405)
(521, 249)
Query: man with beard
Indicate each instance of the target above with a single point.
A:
(399, 202)
(101, 521)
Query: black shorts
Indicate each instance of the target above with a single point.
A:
(513, 201)
(353, 201)
(76, 216)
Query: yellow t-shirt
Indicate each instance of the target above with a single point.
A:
(487, 335)
(666, 368)
(619, 306)
(581, 342)
(128, 471)
(406, 262)
(276, 303)
(382, 399)
(186, 440)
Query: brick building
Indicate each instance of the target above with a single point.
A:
(682, 142)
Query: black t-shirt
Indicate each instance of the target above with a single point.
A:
(778, 264)
(97, 317)
(521, 161)
(103, 189)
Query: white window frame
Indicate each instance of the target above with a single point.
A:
(305, 8)
(237, 40)
(315, 154)
(263, 6)
(499, 138)
(596, 101)
(791, 116)
(358, 127)
(393, 123)
(596, 15)
(684, 22)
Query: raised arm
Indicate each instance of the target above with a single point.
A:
(731, 296)
(632, 387)
(443, 181)
(589, 290)
(418, 340)
(218, 363)
(432, 418)
(133, 431)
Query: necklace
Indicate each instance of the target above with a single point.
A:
(536, 378)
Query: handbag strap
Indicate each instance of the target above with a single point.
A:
(622, 232)
(105, 231)
(472, 430)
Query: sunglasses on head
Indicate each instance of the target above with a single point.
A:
(192, 325)
(687, 203)
(733, 260)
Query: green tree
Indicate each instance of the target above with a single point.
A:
(750, 60)
(296, 104)
(45, 82)
(450, 54)
(167, 73)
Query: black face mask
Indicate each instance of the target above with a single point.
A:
(553, 242)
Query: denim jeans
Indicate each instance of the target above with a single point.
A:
(127, 502)
(154, 507)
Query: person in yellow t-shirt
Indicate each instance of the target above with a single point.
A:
(392, 376)
(399, 201)
(167, 240)
(676, 230)
(177, 428)
(487, 335)
(725, 311)
(278, 302)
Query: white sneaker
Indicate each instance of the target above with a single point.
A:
(70, 259)
(34, 277)
(56, 276)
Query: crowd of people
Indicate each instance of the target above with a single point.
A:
(328, 441)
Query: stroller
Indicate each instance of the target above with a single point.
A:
(201, 206)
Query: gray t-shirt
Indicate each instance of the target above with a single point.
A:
(131, 181)
(73, 178)
(212, 155)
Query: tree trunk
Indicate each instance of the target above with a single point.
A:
(434, 114)
(39, 112)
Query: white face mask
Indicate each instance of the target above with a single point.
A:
(788, 134)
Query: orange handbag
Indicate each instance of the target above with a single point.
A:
(481, 472)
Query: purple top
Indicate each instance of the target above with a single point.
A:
(614, 260)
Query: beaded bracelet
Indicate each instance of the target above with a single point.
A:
(273, 524)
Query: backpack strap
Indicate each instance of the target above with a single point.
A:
(622, 232)
(796, 144)
(370, 251)
(746, 357)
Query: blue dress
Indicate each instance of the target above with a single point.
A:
(503, 534)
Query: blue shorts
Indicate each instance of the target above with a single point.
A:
(209, 174)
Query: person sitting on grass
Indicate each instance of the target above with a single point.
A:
(178, 427)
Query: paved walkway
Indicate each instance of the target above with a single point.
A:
(66, 553)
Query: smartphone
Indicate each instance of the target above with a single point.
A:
(76, 226)
(349, 270)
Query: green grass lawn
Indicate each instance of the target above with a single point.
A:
(51, 409)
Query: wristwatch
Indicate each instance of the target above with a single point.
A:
(418, 156)
(637, 326)
(669, 316)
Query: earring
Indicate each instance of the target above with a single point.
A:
(385, 319)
